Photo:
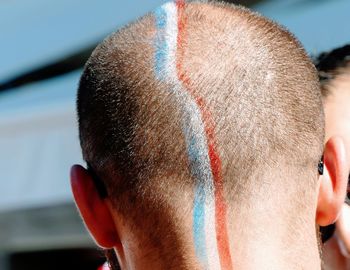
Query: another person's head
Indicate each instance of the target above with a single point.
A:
(205, 124)
(334, 73)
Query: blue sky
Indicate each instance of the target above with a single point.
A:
(39, 31)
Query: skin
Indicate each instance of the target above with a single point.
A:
(337, 109)
(336, 251)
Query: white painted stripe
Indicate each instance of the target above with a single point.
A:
(210, 233)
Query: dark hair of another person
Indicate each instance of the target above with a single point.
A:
(330, 64)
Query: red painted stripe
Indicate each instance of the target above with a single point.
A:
(215, 161)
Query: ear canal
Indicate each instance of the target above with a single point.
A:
(320, 166)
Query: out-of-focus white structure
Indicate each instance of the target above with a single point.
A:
(38, 129)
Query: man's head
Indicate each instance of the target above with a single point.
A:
(204, 121)
(334, 74)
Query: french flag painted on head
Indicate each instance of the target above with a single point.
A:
(210, 234)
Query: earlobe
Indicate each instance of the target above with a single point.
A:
(333, 182)
(93, 209)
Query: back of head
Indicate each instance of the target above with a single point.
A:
(202, 106)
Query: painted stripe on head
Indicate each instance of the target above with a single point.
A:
(209, 211)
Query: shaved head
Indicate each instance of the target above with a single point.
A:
(202, 111)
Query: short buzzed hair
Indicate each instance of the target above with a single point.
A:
(256, 86)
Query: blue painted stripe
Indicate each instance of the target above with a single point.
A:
(196, 150)
(193, 129)
(199, 225)
(161, 44)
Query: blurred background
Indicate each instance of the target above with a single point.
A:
(44, 45)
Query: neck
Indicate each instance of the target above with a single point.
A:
(267, 236)
(256, 243)
(269, 246)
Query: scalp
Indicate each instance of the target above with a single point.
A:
(259, 87)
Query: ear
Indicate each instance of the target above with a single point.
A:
(333, 182)
(94, 210)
